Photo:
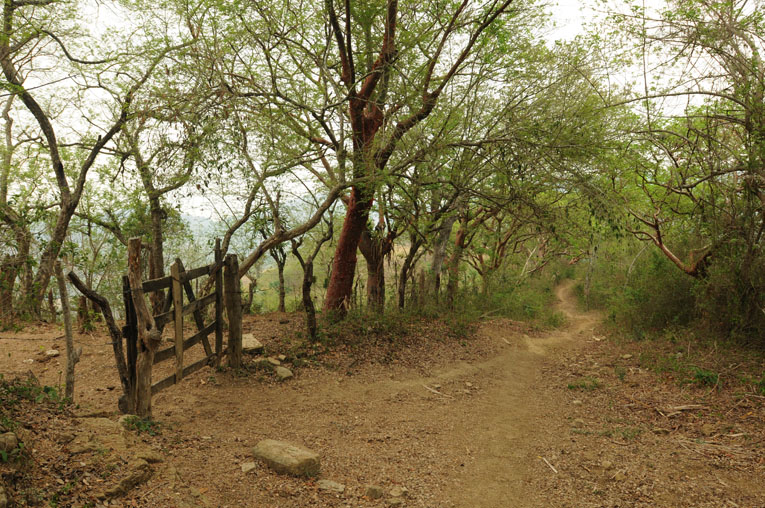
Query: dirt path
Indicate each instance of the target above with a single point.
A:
(474, 443)
(518, 417)
(497, 420)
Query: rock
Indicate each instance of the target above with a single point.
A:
(263, 363)
(8, 442)
(28, 360)
(283, 373)
(281, 358)
(287, 458)
(374, 492)
(579, 423)
(468, 384)
(52, 353)
(149, 455)
(620, 476)
(626, 357)
(395, 501)
(399, 492)
(65, 437)
(100, 434)
(576, 402)
(250, 344)
(330, 486)
(273, 361)
(247, 467)
(607, 464)
(139, 472)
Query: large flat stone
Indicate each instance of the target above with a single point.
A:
(287, 458)
(250, 344)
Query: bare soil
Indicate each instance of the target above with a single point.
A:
(504, 416)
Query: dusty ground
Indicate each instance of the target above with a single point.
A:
(502, 418)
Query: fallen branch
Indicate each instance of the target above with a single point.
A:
(114, 331)
(437, 392)
(551, 466)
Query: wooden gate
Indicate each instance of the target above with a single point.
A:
(173, 310)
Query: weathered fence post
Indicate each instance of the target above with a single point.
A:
(130, 333)
(234, 310)
(175, 273)
(149, 337)
(218, 302)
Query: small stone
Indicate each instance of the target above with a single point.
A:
(578, 423)
(52, 353)
(287, 458)
(273, 361)
(149, 455)
(399, 492)
(607, 464)
(28, 360)
(250, 344)
(283, 373)
(374, 492)
(281, 358)
(8, 442)
(468, 384)
(330, 486)
(139, 472)
(620, 476)
(626, 357)
(395, 501)
(247, 467)
(263, 363)
(65, 437)
(576, 402)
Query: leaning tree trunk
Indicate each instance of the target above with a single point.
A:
(157, 254)
(72, 356)
(439, 253)
(374, 251)
(282, 290)
(8, 271)
(454, 263)
(340, 288)
(310, 309)
(406, 269)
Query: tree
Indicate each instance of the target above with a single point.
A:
(25, 23)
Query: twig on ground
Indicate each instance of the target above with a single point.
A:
(551, 466)
(437, 392)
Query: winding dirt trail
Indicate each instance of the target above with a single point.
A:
(475, 441)
(520, 416)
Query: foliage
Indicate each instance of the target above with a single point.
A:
(141, 425)
(587, 384)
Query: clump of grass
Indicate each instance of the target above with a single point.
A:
(703, 377)
(140, 425)
(586, 384)
(13, 392)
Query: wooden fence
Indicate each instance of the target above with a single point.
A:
(143, 329)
